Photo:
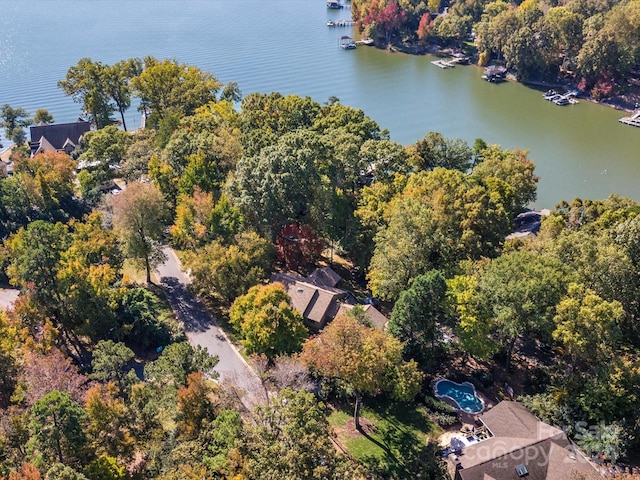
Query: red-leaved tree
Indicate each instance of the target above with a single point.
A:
(387, 19)
(298, 245)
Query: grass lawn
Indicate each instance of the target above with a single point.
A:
(395, 443)
(133, 273)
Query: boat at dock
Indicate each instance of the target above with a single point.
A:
(365, 41)
(335, 5)
(495, 74)
(347, 43)
(633, 120)
(561, 99)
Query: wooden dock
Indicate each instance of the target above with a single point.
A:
(445, 63)
(633, 120)
(341, 23)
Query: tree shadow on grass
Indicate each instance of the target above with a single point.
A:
(407, 454)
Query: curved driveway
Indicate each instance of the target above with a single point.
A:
(203, 330)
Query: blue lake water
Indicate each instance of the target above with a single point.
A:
(286, 46)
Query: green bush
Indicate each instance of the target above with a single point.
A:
(436, 405)
(445, 420)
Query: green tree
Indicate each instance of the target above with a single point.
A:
(169, 88)
(105, 468)
(103, 150)
(267, 322)
(58, 471)
(139, 216)
(136, 159)
(512, 167)
(472, 329)
(523, 54)
(84, 83)
(440, 218)
(384, 159)
(587, 325)
(43, 116)
(518, 292)
(416, 313)
(35, 256)
(434, 150)
(367, 360)
(223, 272)
(56, 428)
(607, 440)
(231, 92)
(13, 120)
(291, 438)
(110, 363)
(278, 186)
(222, 442)
(177, 361)
(408, 246)
(116, 83)
(337, 118)
(264, 118)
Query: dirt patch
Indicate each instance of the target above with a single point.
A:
(349, 429)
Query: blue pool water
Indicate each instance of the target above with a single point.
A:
(464, 394)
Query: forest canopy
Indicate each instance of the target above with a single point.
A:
(98, 379)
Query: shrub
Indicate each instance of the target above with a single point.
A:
(438, 406)
(445, 420)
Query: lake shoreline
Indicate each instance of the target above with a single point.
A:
(627, 102)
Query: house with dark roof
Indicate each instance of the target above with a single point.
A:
(58, 137)
(319, 300)
(518, 445)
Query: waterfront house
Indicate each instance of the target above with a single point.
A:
(58, 137)
(518, 445)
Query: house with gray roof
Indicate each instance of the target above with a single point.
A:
(518, 446)
(57, 137)
(319, 300)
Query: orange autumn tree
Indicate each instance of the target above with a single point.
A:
(368, 360)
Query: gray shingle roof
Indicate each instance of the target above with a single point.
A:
(57, 135)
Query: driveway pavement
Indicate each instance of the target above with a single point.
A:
(202, 329)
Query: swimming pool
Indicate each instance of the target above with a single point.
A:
(463, 394)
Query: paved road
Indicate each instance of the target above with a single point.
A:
(203, 330)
